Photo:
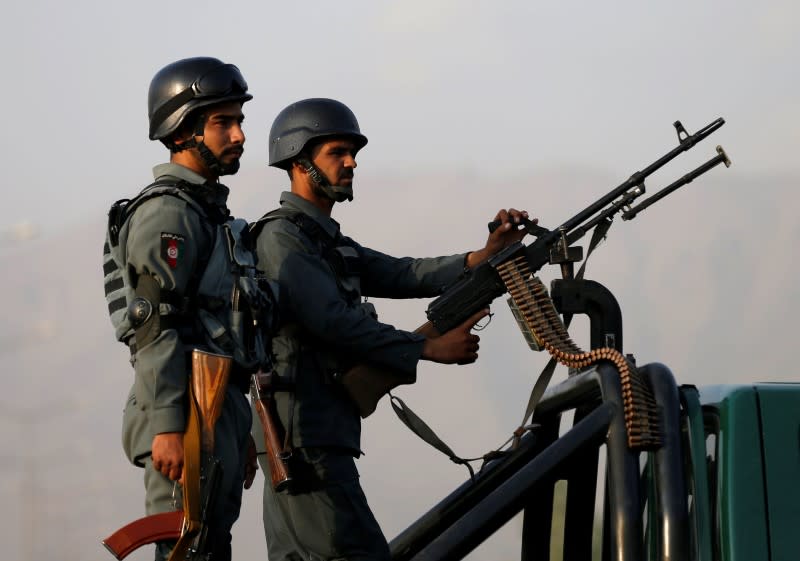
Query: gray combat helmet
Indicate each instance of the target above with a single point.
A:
(185, 85)
(306, 120)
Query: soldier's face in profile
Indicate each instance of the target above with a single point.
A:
(336, 158)
(223, 133)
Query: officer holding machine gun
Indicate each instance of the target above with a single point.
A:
(178, 278)
(322, 275)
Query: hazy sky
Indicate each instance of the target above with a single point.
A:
(469, 106)
(486, 86)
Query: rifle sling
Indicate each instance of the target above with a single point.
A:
(425, 432)
(598, 235)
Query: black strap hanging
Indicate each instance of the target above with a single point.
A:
(426, 433)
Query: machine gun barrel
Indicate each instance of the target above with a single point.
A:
(686, 142)
(720, 158)
(478, 287)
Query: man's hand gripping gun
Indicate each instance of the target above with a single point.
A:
(201, 472)
(476, 288)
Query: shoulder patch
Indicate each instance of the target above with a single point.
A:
(172, 248)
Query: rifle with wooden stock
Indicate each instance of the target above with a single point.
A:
(476, 288)
(261, 392)
(201, 471)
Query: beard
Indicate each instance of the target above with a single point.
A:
(230, 168)
(317, 189)
(216, 164)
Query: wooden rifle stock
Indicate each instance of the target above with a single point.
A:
(261, 389)
(208, 383)
(366, 384)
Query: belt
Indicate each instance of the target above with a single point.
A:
(185, 333)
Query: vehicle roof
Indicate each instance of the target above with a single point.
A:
(714, 394)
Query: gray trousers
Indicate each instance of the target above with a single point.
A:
(231, 437)
(324, 515)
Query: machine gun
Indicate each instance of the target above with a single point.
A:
(479, 286)
(476, 288)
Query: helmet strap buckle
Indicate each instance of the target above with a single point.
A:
(336, 193)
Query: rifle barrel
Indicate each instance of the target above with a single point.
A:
(637, 179)
(720, 158)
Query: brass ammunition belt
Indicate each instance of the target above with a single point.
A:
(540, 316)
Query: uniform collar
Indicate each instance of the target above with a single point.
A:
(214, 193)
(296, 202)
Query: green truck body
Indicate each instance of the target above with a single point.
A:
(747, 499)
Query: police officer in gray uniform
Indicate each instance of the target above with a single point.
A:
(173, 258)
(322, 276)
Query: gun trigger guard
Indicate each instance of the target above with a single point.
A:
(479, 327)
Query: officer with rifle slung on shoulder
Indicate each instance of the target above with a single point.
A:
(183, 296)
(322, 275)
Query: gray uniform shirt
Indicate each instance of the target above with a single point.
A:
(325, 329)
(167, 240)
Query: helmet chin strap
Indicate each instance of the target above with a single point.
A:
(337, 193)
(209, 159)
